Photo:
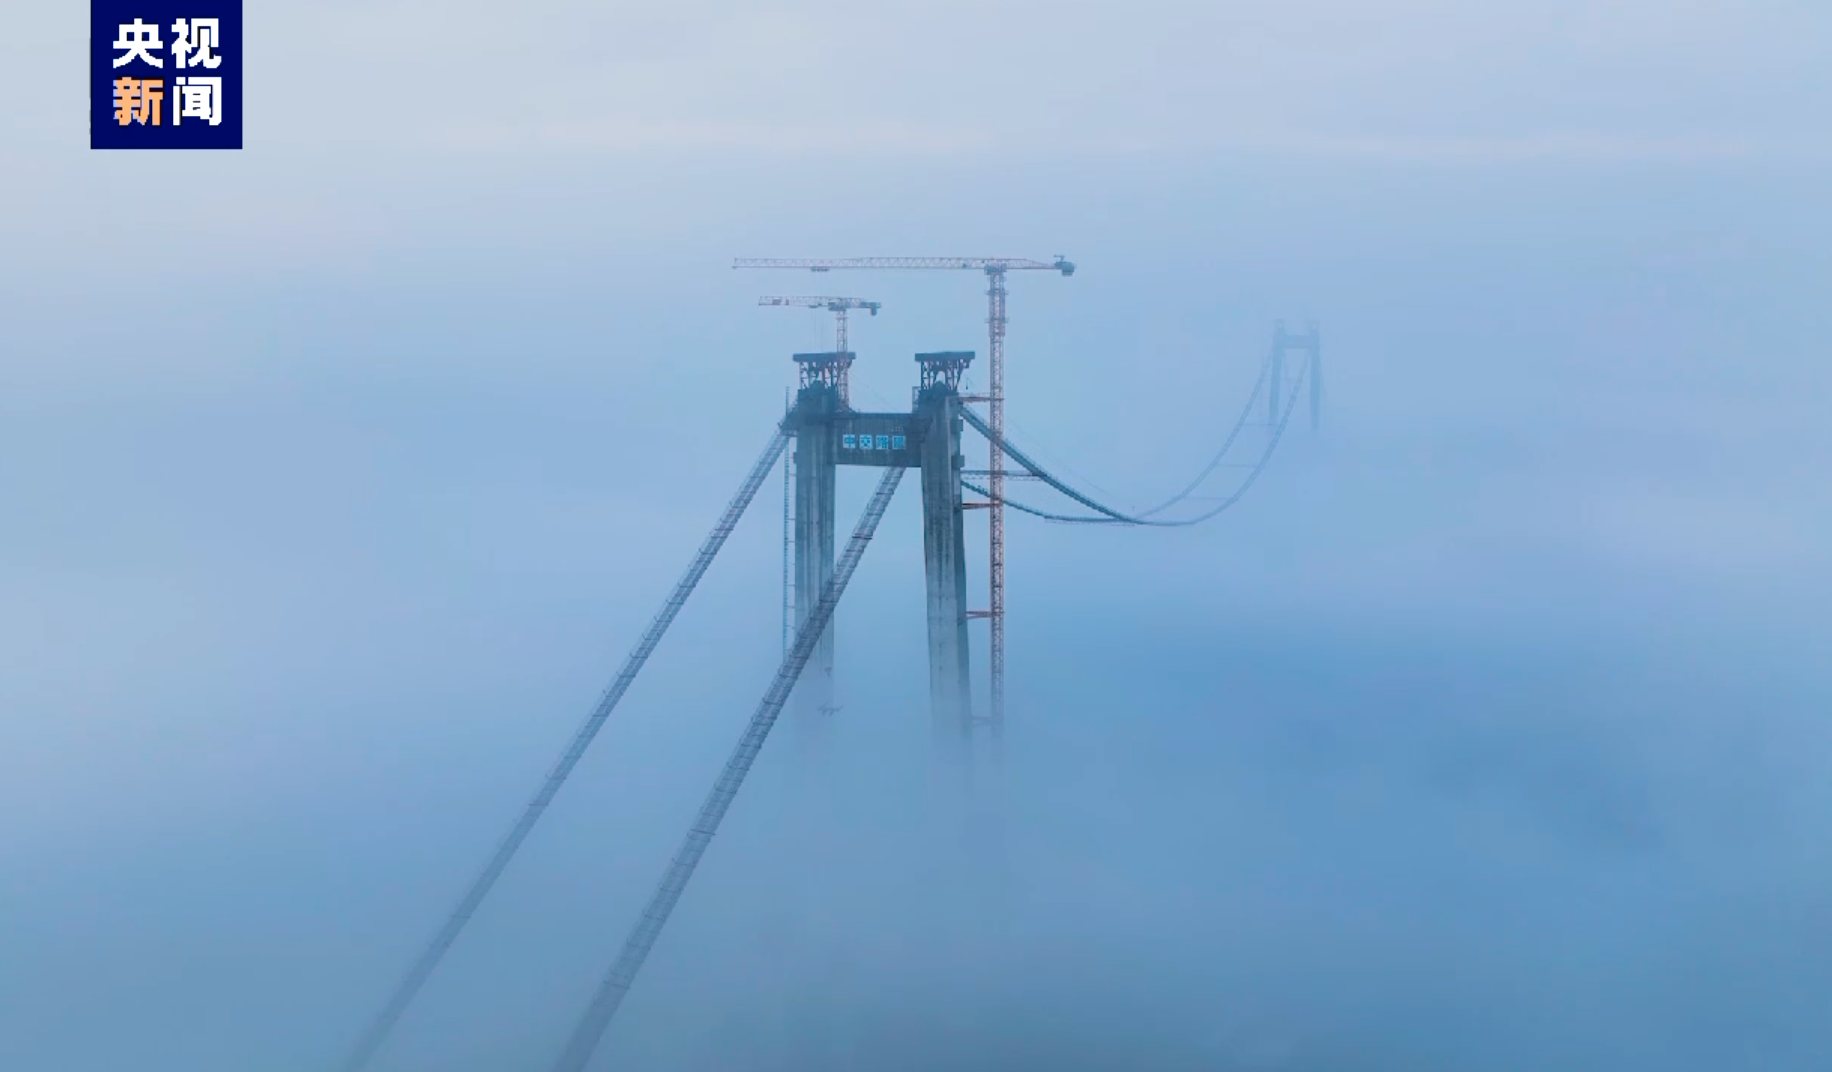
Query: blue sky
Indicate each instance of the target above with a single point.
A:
(1487, 733)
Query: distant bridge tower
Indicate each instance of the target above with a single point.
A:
(1308, 344)
(1316, 378)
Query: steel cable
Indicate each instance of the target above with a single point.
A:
(442, 941)
(1112, 516)
(667, 894)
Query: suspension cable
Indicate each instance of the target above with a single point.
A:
(1110, 515)
(668, 893)
(1076, 519)
(550, 786)
(1227, 443)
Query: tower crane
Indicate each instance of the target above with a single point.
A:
(839, 307)
(994, 269)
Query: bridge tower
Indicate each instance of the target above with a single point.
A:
(830, 434)
(1308, 344)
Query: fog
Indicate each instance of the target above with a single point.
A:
(1488, 732)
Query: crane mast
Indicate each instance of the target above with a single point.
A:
(995, 511)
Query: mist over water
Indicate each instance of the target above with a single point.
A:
(1264, 838)
(1564, 819)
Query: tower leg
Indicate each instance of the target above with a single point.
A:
(1274, 386)
(1316, 380)
(788, 538)
(944, 547)
(815, 475)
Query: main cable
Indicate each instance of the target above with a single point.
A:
(447, 934)
(667, 894)
(1227, 443)
(1110, 515)
(1073, 519)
